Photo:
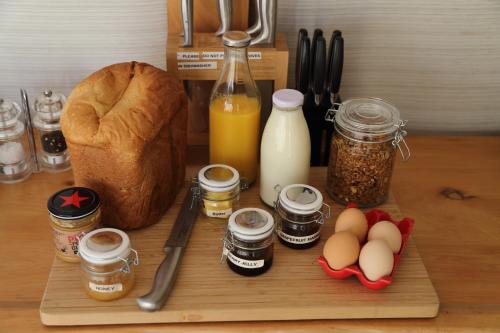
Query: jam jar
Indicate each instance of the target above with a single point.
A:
(15, 156)
(107, 264)
(248, 243)
(219, 189)
(73, 212)
(299, 214)
(368, 132)
(51, 146)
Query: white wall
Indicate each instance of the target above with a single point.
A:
(56, 43)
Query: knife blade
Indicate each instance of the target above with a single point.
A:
(166, 273)
(187, 22)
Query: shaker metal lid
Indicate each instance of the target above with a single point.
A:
(104, 246)
(218, 178)
(288, 98)
(73, 203)
(9, 113)
(251, 224)
(368, 115)
(236, 39)
(49, 105)
(301, 199)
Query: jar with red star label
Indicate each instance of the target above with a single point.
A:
(73, 212)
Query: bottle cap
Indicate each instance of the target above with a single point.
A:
(104, 246)
(9, 113)
(251, 224)
(236, 39)
(288, 98)
(301, 199)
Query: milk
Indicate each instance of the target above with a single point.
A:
(285, 146)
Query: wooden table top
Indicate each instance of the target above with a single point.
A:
(451, 187)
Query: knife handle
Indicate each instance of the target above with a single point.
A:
(164, 280)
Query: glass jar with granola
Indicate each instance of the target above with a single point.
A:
(368, 131)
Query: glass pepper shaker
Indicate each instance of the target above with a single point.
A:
(51, 145)
(15, 157)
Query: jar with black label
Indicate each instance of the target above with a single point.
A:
(219, 189)
(107, 264)
(73, 212)
(248, 243)
(15, 155)
(51, 146)
(299, 214)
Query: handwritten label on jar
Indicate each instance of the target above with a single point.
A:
(105, 288)
(222, 213)
(66, 243)
(242, 262)
(298, 240)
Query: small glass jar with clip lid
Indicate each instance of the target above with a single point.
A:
(15, 155)
(107, 264)
(52, 152)
(219, 190)
(299, 214)
(73, 212)
(248, 243)
(368, 132)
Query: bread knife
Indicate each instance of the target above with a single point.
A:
(166, 273)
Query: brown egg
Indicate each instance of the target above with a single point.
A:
(388, 232)
(341, 250)
(353, 220)
(376, 259)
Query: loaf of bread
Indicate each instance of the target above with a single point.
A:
(126, 130)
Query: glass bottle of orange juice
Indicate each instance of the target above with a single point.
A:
(235, 110)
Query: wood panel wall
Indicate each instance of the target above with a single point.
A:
(438, 61)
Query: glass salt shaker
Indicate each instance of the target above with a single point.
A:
(15, 157)
(51, 145)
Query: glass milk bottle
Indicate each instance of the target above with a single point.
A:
(50, 142)
(235, 110)
(286, 149)
(15, 156)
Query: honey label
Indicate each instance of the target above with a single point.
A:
(298, 240)
(105, 288)
(222, 213)
(243, 262)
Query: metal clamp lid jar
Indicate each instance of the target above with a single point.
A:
(219, 189)
(300, 213)
(248, 243)
(107, 263)
(52, 150)
(362, 153)
(15, 155)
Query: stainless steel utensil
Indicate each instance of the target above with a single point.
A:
(166, 273)
(268, 16)
(225, 10)
(29, 129)
(255, 28)
(187, 22)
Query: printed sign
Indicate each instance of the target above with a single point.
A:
(197, 65)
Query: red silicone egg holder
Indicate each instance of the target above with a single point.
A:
(405, 226)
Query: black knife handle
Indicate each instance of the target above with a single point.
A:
(337, 62)
(164, 280)
(319, 70)
(302, 33)
(303, 77)
(316, 35)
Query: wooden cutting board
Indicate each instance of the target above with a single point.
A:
(294, 288)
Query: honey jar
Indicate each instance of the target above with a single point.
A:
(219, 189)
(299, 214)
(73, 212)
(248, 243)
(107, 264)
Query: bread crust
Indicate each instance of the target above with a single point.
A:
(126, 130)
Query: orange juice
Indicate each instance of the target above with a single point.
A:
(234, 133)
